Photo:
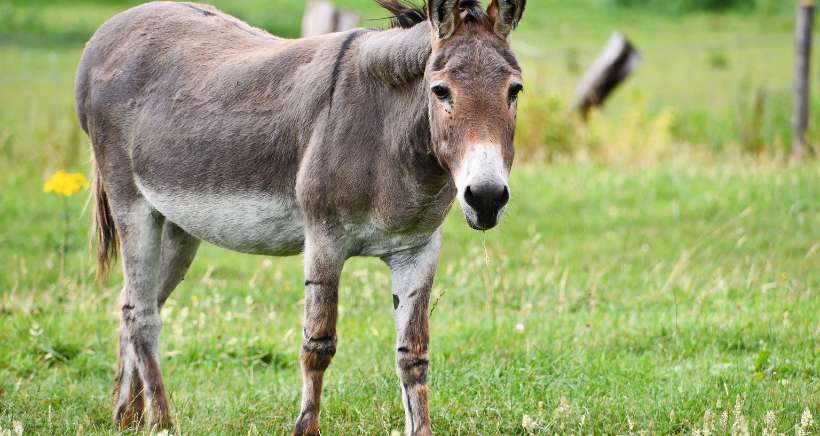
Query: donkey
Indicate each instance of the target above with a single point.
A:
(348, 144)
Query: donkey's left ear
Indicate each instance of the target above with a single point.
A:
(444, 15)
(505, 15)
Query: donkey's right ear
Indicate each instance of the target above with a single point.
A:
(444, 16)
(505, 15)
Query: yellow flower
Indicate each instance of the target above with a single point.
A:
(65, 184)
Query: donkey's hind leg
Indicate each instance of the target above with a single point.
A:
(140, 228)
(178, 251)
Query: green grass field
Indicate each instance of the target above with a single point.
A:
(656, 278)
(607, 297)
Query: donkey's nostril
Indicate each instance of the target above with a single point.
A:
(487, 196)
(505, 197)
(486, 200)
(469, 197)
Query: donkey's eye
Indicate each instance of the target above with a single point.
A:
(441, 92)
(515, 89)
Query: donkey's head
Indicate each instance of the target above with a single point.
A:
(474, 81)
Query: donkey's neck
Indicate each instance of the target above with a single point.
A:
(397, 58)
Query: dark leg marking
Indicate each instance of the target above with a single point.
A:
(318, 352)
(414, 370)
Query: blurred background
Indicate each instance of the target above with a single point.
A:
(716, 74)
(656, 272)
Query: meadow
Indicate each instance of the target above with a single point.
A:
(657, 271)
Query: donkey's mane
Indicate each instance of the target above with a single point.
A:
(405, 14)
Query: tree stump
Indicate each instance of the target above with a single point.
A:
(322, 17)
(615, 63)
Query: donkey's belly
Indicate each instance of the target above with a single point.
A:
(250, 222)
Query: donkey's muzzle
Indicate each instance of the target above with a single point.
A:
(487, 201)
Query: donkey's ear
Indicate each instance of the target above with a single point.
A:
(505, 15)
(444, 16)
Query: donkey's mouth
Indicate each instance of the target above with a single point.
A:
(482, 221)
(475, 226)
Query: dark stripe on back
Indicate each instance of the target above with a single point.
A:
(204, 12)
(337, 65)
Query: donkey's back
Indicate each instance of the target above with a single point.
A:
(208, 74)
(205, 117)
(158, 41)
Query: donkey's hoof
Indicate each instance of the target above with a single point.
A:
(160, 422)
(128, 415)
(307, 425)
(129, 412)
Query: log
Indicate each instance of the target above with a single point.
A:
(322, 17)
(616, 62)
(804, 22)
(346, 20)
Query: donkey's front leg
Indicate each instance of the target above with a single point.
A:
(413, 273)
(323, 265)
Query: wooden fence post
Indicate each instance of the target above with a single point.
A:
(615, 63)
(804, 22)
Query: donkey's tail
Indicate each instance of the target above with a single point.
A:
(103, 225)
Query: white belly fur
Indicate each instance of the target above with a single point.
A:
(250, 222)
(259, 223)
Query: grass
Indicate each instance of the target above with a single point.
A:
(609, 296)
(639, 286)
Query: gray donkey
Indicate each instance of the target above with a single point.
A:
(341, 145)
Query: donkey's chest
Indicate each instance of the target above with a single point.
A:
(369, 239)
